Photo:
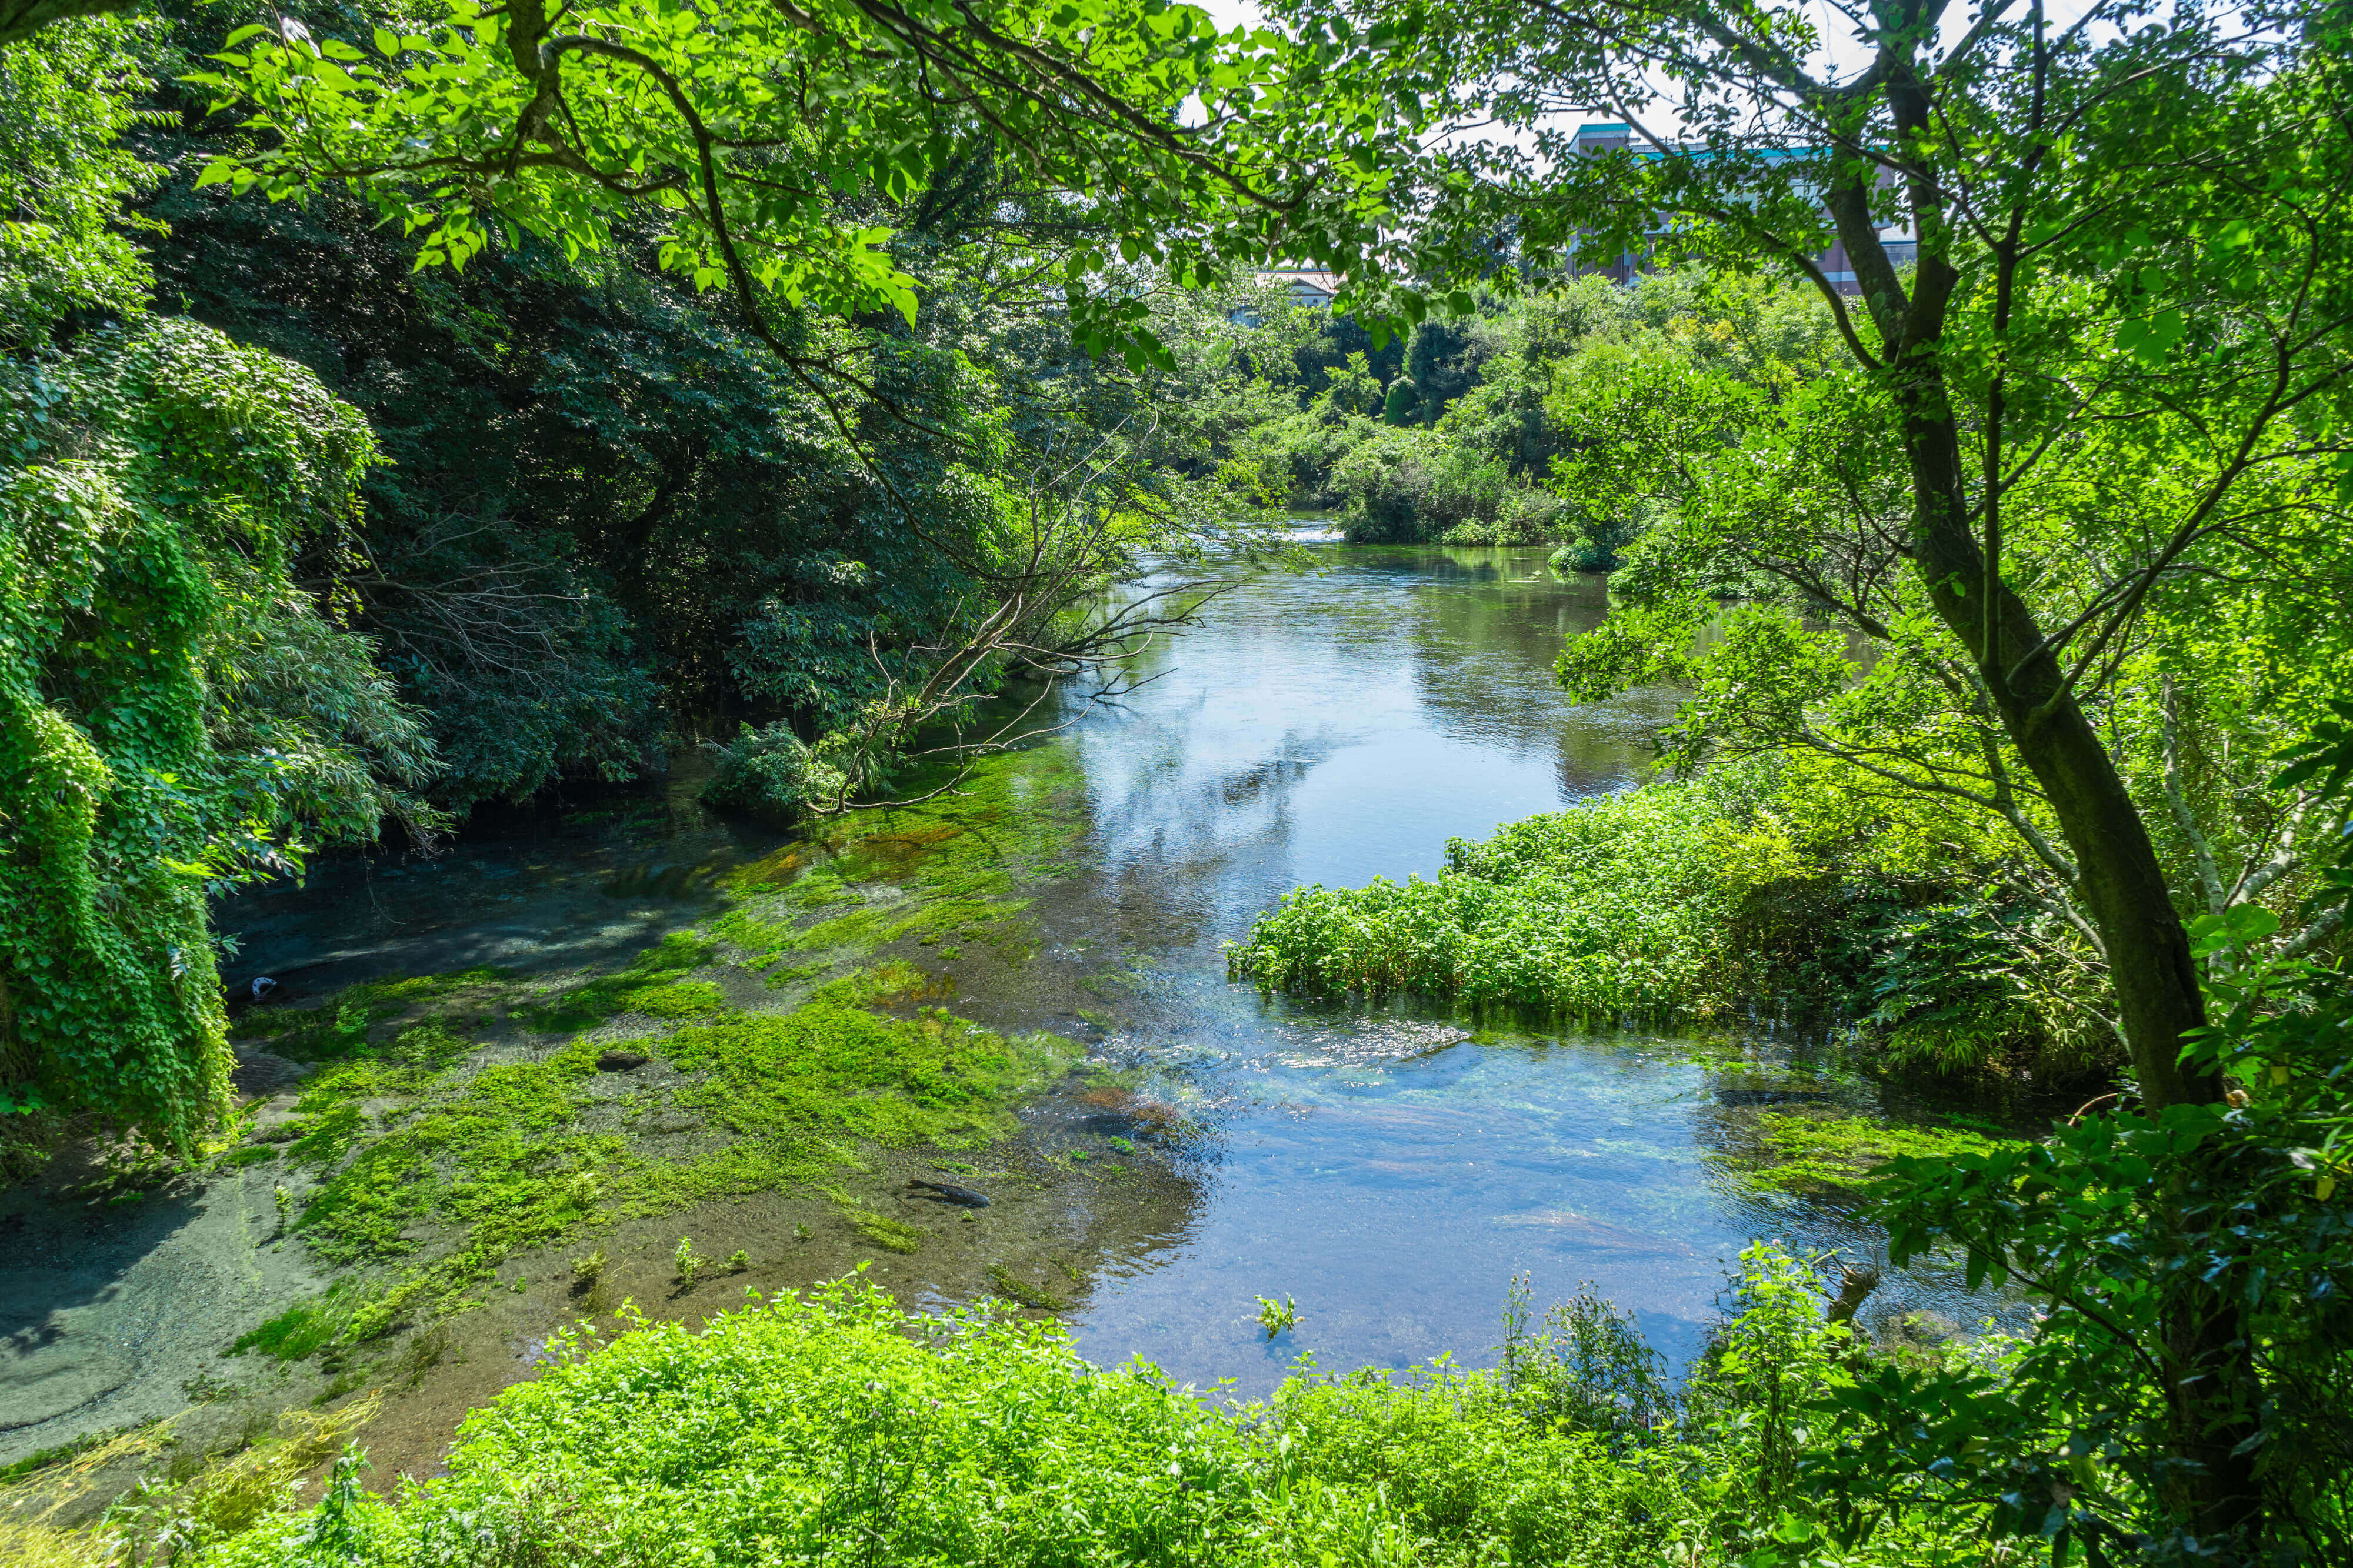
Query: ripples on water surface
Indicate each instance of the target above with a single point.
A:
(1381, 1167)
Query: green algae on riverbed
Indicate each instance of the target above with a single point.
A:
(479, 1165)
(1812, 1153)
(434, 1155)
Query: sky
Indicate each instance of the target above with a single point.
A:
(1844, 52)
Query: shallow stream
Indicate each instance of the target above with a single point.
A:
(1386, 1167)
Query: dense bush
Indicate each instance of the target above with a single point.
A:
(1406, 486)
(177, 714)
(771, 774)
(1748, 886)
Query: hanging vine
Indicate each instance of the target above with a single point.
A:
(159, 483)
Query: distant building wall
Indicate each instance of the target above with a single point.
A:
(1309, 287)
(1903, 247)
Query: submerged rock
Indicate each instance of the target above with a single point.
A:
(261, 1073)
(621, 1061)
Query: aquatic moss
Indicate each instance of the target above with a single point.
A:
(446, 1176)
(1011, 817)
(304, 1328)
(650, 984)
(329, 1136)
(497, 1151)
(1015, 1288)
(342, 1027)
(1840, 1151)
(996, 922)
(762, 940)
(890, 1235)
(830, 1067)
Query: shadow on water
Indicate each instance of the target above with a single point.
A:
(585, 881)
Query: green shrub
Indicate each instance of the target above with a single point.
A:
(795, 1426)
(1408, 486)
(771, 774)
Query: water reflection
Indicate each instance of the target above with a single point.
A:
(1386, 1171)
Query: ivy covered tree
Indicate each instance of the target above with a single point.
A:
(178, 713)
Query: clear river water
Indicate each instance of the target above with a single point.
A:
(1387, 1167)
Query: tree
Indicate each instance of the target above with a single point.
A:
(178, 712)
(2132, 232)
(2070, 1438)
(743, 126)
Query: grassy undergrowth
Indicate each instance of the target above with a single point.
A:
(835, 1428)
(1706, 900)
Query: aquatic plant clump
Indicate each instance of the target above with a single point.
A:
(1616, 907)
(1805, 1151)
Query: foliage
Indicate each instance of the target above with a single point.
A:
(802, 1422)
(2119, 1222)
(177, 709)
(65, 175)
(1403, 486)
(1505, 402)
(1617, 907)
(2078, 200)
(1586, 1368)
(461, 122)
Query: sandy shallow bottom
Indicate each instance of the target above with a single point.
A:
(121, 1317)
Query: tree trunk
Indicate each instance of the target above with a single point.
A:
(2215, 1394)
(2119, 879)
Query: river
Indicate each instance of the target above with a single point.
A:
(1380, 1166)
(1389, 1168)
